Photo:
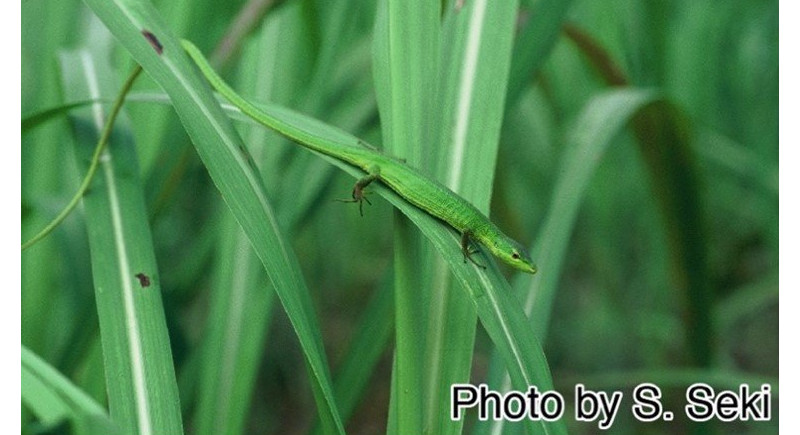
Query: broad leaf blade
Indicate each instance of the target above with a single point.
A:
(405, 60)
(143, 393)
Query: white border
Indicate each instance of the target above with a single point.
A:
(788, 215)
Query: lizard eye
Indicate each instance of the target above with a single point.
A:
(515, 255)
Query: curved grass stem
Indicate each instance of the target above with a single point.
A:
(101, 145)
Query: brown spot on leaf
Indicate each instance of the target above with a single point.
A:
(144, 280)
(154, 42)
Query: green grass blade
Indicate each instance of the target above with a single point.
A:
(143, 394)
(54, 398)
(405, 60)
(160, 163)
(240, 310)
(743, 163)
(601, 120)
(539, 34)
(223, 153)
(33, 120)
(476, 47)
(664, 141)
(500, 314)
(497, 309)
(47, 182)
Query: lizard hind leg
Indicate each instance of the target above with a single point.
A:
(468, 248)
(359, 195)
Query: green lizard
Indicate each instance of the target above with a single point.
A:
(421, 191)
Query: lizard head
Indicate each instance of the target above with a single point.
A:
(513, 254)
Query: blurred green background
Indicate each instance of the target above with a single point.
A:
(670, 271)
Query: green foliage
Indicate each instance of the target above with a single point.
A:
(631, 145)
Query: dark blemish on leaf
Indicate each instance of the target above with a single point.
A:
(144, 280)
(153, 41)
